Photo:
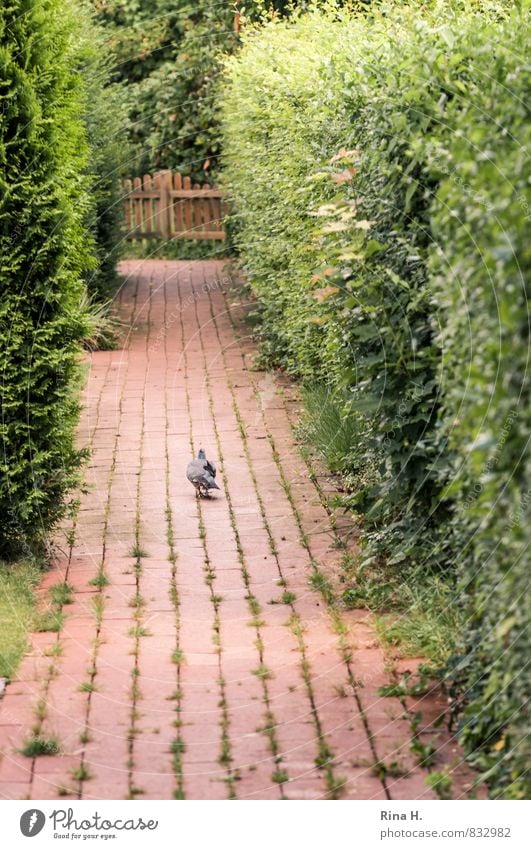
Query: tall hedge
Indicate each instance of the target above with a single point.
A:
(106, 121)
(381, 195)
(44, 252)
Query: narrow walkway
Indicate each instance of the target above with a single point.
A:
(200, 657)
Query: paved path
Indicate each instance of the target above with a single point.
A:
(201, 656)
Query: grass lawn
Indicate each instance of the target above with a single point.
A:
(17, 611)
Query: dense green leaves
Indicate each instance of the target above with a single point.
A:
(381, 195)
(44, 251)
(168, 57)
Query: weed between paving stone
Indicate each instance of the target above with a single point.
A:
(321, 584)
(100, 581)
(257, 622)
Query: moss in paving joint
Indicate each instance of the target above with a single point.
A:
(100, 580)
(136, 601)
(137, 552)
(138, 631)
(98, 608)
(40, 710)
(177, 656)
(324, 759)
(82, 773)
(441, 784)
(262, 672)
(87, 687)
(53, 672)
(55, 650)
(257, 623)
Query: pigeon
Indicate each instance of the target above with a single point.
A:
(201, 472)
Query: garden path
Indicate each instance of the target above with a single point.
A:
(201, 656)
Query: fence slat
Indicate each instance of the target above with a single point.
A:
(147, 203)
(188, 212)
(137, 185)
(128, 218)
(207, 217)
(177, 204)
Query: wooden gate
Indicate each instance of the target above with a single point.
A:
(167, 206)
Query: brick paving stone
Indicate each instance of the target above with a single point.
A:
(264, 682)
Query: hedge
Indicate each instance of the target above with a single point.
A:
(105, 119)
(44, 252)
(380, 196)
(167, 57)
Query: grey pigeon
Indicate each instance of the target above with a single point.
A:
(201, 472)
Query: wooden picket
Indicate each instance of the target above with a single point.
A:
(168, 206)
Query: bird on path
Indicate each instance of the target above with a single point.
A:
(201, 472)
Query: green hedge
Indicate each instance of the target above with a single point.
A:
(379, 189)
(168, 56)
(44, 253)
(106, 120)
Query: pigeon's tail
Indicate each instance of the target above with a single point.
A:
(201, 454)
(208, 480)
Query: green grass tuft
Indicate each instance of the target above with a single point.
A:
(38, 745)
(61, 594)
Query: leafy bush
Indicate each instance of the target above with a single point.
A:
(480, 268)
(44, 252)
(379, 213)
(105, 117)
(168, 56)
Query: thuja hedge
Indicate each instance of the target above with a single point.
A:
(44, 252)
(379, 192)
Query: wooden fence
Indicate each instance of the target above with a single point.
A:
(167, 205)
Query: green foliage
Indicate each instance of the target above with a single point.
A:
(17, 606)
(105, 118)
(44, 252)
(441, 784)
(332, 433)
(168, 56)
(177, 249)
(480, 268)
(36, 746)
(379, 211)
(62, 593)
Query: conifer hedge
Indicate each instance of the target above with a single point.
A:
(44, 252)
(381, 194)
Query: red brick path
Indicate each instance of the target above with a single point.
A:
(201, 662)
